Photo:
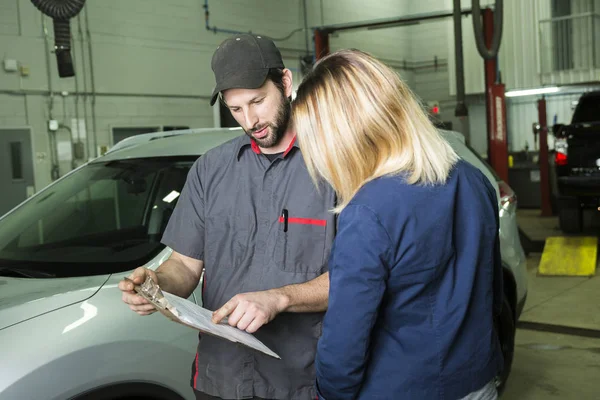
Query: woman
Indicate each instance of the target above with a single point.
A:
(415, 273)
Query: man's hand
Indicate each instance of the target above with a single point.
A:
(136, 302)
(250, 311)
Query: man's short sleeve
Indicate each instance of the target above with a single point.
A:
(185, 230)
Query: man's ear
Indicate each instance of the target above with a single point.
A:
(288, 82)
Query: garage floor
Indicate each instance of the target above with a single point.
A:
(549, 363)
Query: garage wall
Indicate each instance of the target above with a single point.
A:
(434, 40)
(429, 42)
(150, 61)
(391, 45)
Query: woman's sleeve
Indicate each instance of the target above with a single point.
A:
(358, 270)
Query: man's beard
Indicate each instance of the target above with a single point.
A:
(276, 129)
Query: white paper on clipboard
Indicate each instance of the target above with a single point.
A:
(201, 319)
(192, 315)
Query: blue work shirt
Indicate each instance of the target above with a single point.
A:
(415, 279)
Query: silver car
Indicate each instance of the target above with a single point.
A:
(64, 331)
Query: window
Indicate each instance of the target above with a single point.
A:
(16, 160)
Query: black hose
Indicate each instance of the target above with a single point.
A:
(461, 107)
(486, 53)
(59, 9)
(62, 48)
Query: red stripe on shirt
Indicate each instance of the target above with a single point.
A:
(305, 221)
(255, 147)
(196, 373)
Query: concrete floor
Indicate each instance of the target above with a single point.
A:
(547, 364)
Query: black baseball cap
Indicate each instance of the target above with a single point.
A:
(243, 61)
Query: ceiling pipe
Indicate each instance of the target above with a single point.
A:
(461, 107)
(214, 29)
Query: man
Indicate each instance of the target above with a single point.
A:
(250, 216)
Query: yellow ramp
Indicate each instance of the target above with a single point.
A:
(569, 256)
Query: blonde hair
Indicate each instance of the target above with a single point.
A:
(356, 121)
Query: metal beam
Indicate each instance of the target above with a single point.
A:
(22, 92)
(389, 22)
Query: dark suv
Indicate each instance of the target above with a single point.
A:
(577, 163)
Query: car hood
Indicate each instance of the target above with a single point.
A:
(23, 299)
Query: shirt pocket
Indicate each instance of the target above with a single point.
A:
(300, 248)
(227, 241)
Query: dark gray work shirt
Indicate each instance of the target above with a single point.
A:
(228, 215)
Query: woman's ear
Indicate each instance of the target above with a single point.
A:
(288, 82)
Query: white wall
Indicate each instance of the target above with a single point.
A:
(392, 45)
(151, 61)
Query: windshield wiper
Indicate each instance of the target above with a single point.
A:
(27, 273)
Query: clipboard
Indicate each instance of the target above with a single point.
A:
(150, 291)
(166, 303)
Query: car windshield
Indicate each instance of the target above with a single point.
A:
(588, 110)
(103, 218)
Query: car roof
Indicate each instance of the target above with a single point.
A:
(195, 142)
(188, 142)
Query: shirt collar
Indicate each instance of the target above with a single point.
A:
(248, 142)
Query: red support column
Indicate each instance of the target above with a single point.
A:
(543, 160)
(497, 145)
(495, 106)
(321, 43)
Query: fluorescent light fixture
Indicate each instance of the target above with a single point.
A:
(532, 92)
(171, 196)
